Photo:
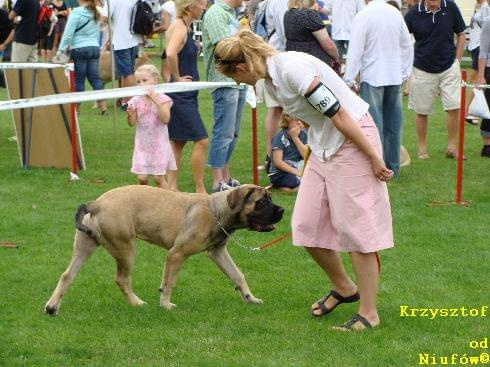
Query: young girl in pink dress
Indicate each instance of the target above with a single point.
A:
(153, 154)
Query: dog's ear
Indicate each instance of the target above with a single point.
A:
(237, 198)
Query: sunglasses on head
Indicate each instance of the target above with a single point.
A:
(227, 62)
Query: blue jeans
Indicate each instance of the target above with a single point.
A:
(86, 60)
(228, 108)
(385, 106)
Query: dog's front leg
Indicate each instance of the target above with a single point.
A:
(173, 263)
(224, 261)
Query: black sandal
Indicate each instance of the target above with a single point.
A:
(324, 310)
(349, 324)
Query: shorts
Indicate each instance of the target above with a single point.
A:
(424, 87)
(474, 58)
(46, 43)
(341, 205)
(263, 95)
(124, 61)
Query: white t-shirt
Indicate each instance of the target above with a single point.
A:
(122, 38)
(292, 73)
(169, 7)
(343, 12)
(274, 22)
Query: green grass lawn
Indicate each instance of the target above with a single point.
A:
(440, 260)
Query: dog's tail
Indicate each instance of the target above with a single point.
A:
(89, 208)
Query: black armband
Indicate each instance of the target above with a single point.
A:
(323, 100)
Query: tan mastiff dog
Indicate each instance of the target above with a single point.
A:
(182, 223)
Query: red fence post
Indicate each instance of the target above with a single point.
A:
(459, 173)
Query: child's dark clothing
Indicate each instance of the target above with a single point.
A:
(290, 155)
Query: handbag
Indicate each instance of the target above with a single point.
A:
(478, 106)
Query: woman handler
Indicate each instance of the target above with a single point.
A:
(342, 204)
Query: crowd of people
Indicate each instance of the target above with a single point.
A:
(331, 75)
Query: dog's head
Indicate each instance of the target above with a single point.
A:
(254, 206)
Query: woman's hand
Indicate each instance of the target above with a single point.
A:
(185, 78)
(380, 170)
(481, 81)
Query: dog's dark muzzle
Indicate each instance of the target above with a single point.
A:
(265, 223)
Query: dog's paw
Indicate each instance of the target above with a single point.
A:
(138, 303)
(51, 310)
(168, 305)
(252, 299)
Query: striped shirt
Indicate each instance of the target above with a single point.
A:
(219, 22)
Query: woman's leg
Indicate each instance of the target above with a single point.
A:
(331, 263)
(177, 147)
(198, 158)
(367, 275)
(93, 54)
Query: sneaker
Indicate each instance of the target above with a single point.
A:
(233, 183)
(222, 186)
(485, 152)
(148, 44)
(472, 120)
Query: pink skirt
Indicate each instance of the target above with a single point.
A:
(341, 205)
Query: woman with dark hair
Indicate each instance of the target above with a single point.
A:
(61, 11)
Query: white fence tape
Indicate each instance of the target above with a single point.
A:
(480, 86)
(30, 65)
(96, 95)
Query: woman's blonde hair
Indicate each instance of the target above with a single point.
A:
(182, 5)
(300, 4)
(244, 47)
(149, 69)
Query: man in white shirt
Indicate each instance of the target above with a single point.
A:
(343, 12)
(124, 42)
(381, 52)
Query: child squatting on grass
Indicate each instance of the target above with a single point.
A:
(342, 203)
(288, 152)
(153, 154)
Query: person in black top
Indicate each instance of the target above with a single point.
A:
(6, 30)
(6, 37)
(24, 15)
(436, 66)
(305, 32)
(61, 11)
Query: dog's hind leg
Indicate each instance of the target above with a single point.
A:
(83, 247)
(224, 261)
(124, 256)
